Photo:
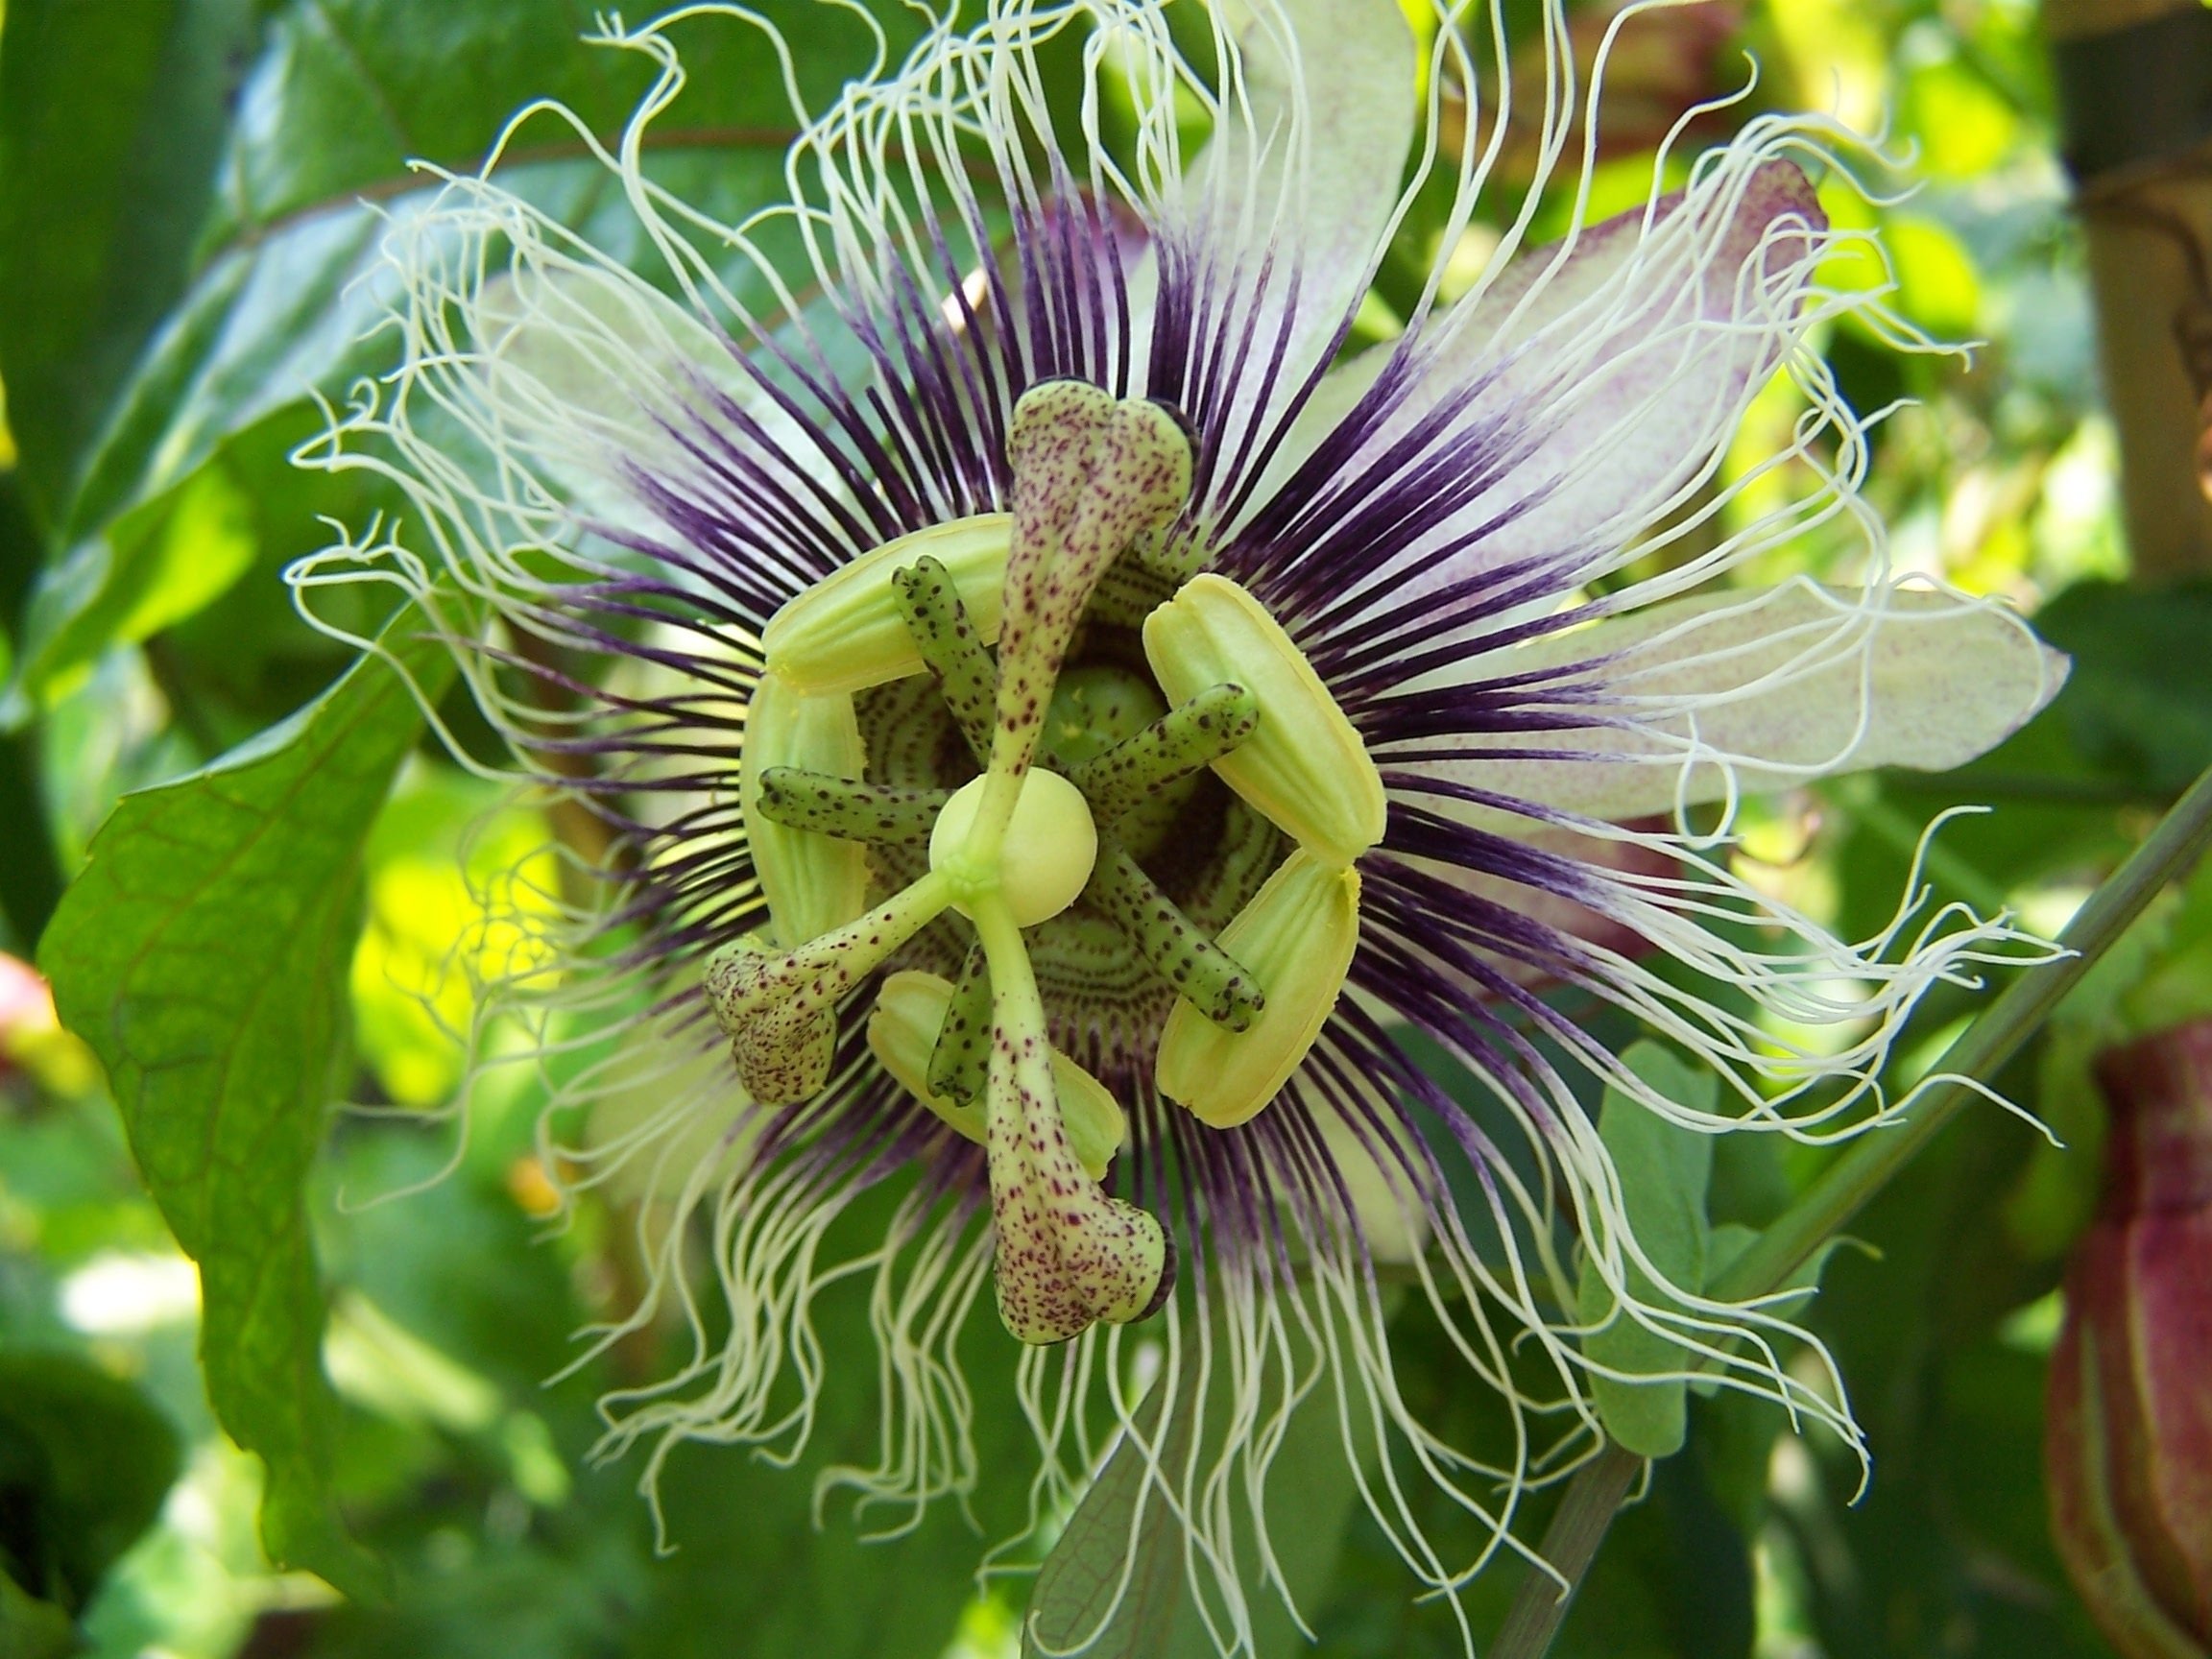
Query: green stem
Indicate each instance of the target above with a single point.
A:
(1599, 1489)
(1980, 1052)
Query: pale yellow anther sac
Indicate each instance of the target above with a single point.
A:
(1304, 769)
(813, 884)
(846, 632)
(910, 1012)
(1296, 937)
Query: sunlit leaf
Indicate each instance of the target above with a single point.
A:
(1937, 284)
(441, 922)
(155, 566)
(111, 117)
(202, 954)
(31, 1628)
(1964, 126)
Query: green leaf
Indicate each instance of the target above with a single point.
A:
(112, 118)
(345, 95)
(31, 1628)
(202, 954)
(30, 875)
(2130, 714)
(1123, 1527)
(85, 1463)
(196, 574)
(288, 287)
(157, 564)
(1664, 1171)
(1674, 1577)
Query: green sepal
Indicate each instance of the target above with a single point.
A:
(1664, 1170)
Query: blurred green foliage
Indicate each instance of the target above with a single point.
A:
(191, 192)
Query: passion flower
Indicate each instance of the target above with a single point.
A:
(1064, 717)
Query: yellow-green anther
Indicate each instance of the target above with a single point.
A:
(1304, 768)
(778, 1008)
(849, 632)
(1091, 475)
(1201, 972)
(879, 813)
(1183, 740)
(1296, 937)
(962, 1049)
(909, 1009)
(950, 648)
(1068, 1255)
(812, 883)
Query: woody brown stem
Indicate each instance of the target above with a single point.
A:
(2147, 219)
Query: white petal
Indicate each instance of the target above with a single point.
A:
(1738, 691)
(1305, 169)
(1645, 350)
(1343, 71)
(589, 374)
(1603, 376)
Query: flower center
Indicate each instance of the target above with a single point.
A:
(1152, 752)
